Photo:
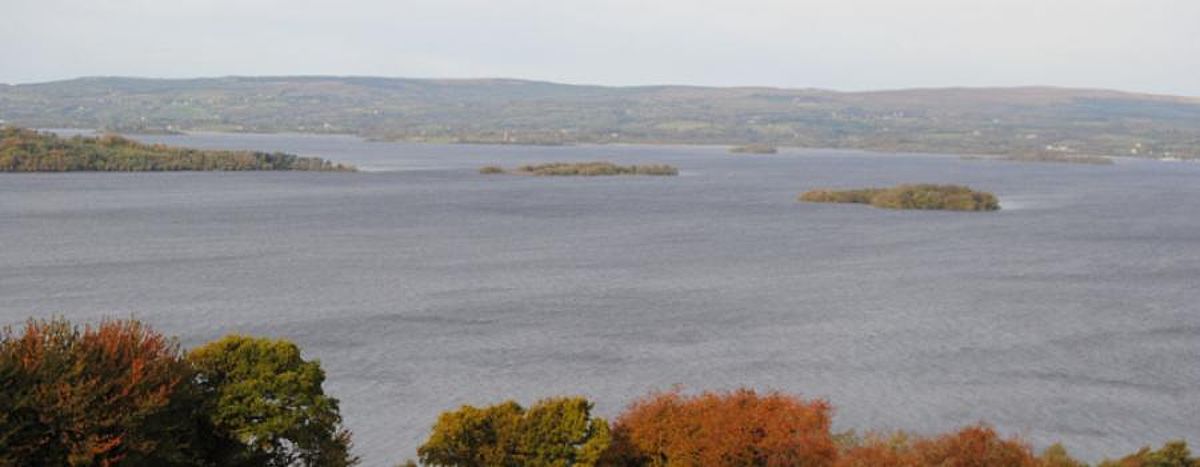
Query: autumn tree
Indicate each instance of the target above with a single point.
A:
(553, 432)
(265, 395)
(115, 393)
(973, 446)
(738, 428)
(1172, 454)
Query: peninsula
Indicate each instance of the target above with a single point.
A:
(24, 150)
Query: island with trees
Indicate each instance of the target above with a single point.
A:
(582, 169)
(754, 149)
(1049, 157)
(919, 196)
(120, 393)
(25, 150)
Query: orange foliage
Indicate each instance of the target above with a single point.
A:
(880, 452)
(973, 446)
(101, 395)
(723, 429)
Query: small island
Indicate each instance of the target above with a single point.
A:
(583, 169)
(920, 196)
(754, 149)
(1053, 158)
(24, 150)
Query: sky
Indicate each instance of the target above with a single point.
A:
(1133, 45)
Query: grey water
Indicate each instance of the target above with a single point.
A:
(1071, 315)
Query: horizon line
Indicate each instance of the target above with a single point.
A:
(612, 86)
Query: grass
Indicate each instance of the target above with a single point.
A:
(920, 196)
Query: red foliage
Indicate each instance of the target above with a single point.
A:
(720, 429)
(95, 396)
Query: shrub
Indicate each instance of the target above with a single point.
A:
(491, 169)
(723, 429)
(553, 432)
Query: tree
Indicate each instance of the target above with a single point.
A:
(738, 428)
(116, 393)
(1056, 455)
(553, 432)
(265, 395)
(974, 446)
(1172, 454)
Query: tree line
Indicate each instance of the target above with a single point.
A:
(24, 150)
(120, 393)
(582, 169)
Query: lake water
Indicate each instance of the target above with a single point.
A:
(1072, 315)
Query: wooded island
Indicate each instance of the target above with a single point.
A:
(922, 196)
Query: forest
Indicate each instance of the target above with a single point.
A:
(25, 150)
(919, 196)
(121, 393)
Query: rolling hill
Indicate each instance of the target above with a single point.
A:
(1014, 121)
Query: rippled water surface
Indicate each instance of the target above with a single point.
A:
(1072, 315)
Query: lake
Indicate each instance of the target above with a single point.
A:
(1071, 315)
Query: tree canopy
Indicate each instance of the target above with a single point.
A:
(115, 393)
(553, 432)
(121, 393)
(269, 398)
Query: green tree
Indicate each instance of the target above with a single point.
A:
(1172, 454)
(553, 432)
(264, 394)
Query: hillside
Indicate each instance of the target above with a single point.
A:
(1014, 121)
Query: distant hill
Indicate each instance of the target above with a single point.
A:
(1017, 121)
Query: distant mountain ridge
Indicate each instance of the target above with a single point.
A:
(1022, 120)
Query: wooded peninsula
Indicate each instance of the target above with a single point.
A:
(24, 150)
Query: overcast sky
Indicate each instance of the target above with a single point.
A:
(1137, 45)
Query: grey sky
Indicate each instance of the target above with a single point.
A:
(1139, 45)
